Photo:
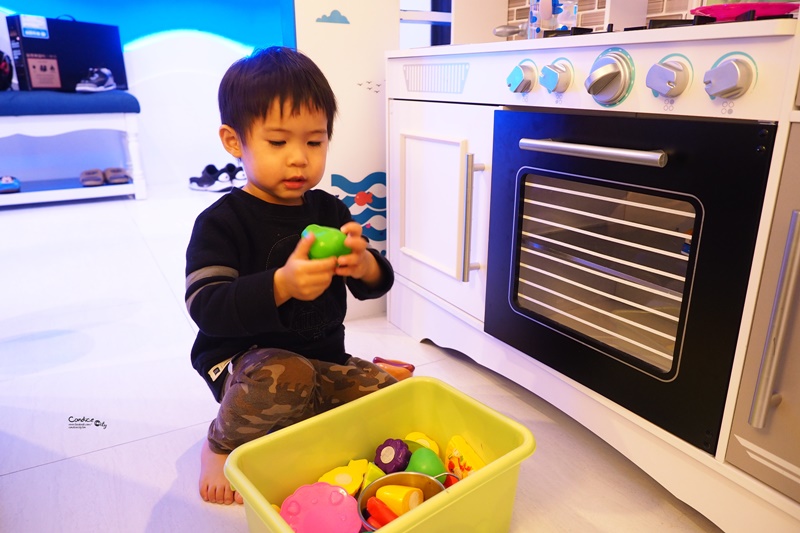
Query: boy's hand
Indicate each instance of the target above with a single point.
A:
(359, 264)
(303, 278)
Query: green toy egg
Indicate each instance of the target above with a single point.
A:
(425, 461)
(328, 242)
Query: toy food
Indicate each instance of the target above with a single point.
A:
(328, 242)
(359, 465)
(461, 459)
(413, 445)
(449, 480)
(372, 473)
(425, 461)
(399, 369)
(429, 487)
(423, 439)
(399, 498)
(392, 456)
(348, 477)
(394, 362)
(379, 513)
(321, 507)
(397, 372)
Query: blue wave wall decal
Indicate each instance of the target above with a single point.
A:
(365, 216)
(353, 187)
(369, 205)
(374, 234)
(376, 204)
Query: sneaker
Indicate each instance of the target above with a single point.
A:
(9, 184)
(238, 177)
(211, 180)
(222, 180)
(97, 80)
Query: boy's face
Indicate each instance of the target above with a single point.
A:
(284, 154)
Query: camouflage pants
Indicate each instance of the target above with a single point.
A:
(270, 389)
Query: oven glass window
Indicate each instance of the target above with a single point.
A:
(607, 264)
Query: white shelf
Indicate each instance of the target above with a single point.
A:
(470, 21)
(48, 125)
(64, 195)
(52, 125)
(425, 17)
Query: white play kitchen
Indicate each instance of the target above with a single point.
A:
(612, 220)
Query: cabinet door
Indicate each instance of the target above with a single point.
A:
(765, 436)
(439, 186)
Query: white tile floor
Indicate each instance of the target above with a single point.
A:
(93, 326)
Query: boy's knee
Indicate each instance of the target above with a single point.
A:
(280, 371)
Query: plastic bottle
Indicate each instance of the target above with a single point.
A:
(568, 18)
(541, 18)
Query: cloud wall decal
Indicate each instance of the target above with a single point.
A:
(335, 17)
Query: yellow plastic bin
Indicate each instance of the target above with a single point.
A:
(269, 469)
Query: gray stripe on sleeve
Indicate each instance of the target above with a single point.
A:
(207, 272)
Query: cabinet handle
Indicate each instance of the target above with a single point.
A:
(763, 398)
(648, 158)
(470, 168)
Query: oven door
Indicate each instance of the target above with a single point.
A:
(620, 250)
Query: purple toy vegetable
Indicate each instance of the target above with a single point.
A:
(392, 456)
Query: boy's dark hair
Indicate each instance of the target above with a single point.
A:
(250, 85)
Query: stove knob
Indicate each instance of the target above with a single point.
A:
(523, 78)
(669, 78)
(730, 79)
(610, 79)
(555, 78)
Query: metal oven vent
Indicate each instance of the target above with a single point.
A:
(606, 263)
(438, 78)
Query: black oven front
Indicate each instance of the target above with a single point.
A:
(620, 250)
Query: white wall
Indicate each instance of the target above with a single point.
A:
(414, 35)
(175, 77)
(352, 57)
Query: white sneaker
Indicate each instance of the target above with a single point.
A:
(98, 79)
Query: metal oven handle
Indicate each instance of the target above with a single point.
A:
(763, 398)
(648, 158)
(469, 178)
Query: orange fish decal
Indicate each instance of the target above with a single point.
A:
(363, 198)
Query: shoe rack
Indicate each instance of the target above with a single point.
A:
(54, 126)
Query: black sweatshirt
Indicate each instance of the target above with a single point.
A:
(237, 244)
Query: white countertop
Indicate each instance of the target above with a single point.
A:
(765, 28)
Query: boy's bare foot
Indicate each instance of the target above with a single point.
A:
(214, 486)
